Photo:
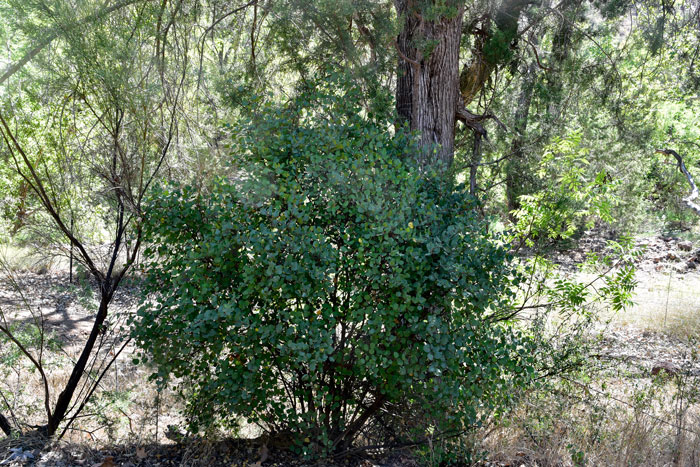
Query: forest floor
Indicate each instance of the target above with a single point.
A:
(135, 426)
(665, 315)
(636, 403)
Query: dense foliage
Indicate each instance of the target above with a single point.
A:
(332, 280)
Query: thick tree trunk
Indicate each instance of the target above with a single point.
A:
(430, 92)
(427, 90)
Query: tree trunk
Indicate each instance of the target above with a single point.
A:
(5, 425)
(65, 397)
(427, 89)
(516, 167)
(430, 92)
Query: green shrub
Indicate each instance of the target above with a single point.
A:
(331, 280)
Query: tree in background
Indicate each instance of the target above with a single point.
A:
(87, 130)
(431, 92)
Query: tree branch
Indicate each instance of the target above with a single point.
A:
(474, 121)
(5, 425)
(537, 56)
(688, 200)
(36, 184)
(50, 35)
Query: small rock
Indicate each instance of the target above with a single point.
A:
(668, 367)
(51, 459)
(686, 245)
(672, 256)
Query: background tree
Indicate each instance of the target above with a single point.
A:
(111, 119)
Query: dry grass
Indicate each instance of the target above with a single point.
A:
(126, 408)
(634, 425)
(669, 303)
(29, 260)
(616, 413)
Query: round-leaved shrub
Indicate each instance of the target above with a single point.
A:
(329, 281)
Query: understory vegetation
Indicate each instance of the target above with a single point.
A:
(340, 232)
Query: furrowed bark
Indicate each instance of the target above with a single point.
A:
(431, 95)
(428, 81)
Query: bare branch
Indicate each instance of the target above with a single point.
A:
(36, 184)
(694, 193)
(37, 365)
